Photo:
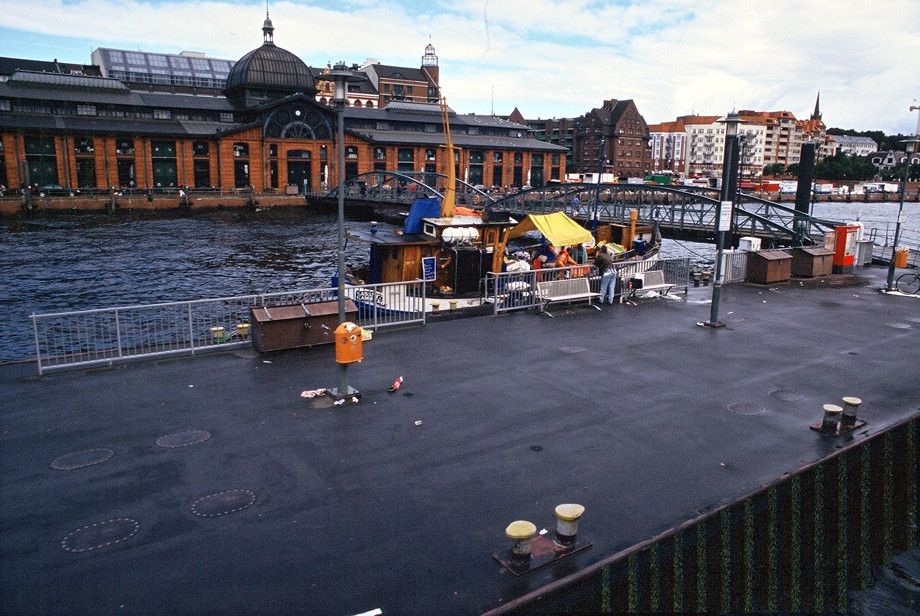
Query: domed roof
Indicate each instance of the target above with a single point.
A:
(271, 68)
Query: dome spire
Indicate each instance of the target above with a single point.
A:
(268, 30)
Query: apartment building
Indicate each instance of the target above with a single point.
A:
(669, 147)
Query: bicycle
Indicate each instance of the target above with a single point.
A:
(908, 283)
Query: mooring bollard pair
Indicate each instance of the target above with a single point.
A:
(838, 418)
(521, 532)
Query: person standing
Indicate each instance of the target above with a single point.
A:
(604, 262)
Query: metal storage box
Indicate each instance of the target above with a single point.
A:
(809, 261)
(297, 325)
(769, 266)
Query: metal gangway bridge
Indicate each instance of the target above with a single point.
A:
(681, 212)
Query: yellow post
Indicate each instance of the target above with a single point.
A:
(633, 217)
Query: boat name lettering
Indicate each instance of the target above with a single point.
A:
(369, 296)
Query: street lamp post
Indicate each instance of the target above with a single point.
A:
(723, 220)
(909, 143)
(340, 78)
(597, 193)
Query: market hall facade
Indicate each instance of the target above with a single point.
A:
(172, 125)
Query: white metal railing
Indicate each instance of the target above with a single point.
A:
(105, 336)
(734, 266)
(518, 290)
(388, 304)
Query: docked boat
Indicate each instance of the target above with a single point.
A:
(451, 251)
(454, 255)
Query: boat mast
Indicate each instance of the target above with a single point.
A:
(450, 192)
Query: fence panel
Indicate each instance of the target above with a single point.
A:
(105, 336)
(734, 267)
(511, 290)
(389, 304)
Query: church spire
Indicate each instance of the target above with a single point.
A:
(817, 114)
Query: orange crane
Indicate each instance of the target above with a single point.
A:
(450, 192)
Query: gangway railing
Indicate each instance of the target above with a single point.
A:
(109, 336)
(106, 336)
(509, 291)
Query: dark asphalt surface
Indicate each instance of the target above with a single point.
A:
(398, 502)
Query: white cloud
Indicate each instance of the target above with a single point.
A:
(547, 57)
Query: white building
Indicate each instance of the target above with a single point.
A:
(854, 146)
(705, 147)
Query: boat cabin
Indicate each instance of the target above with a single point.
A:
(452, 254)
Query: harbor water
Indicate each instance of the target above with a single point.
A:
(82, 262)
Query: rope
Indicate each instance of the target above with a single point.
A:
(707, 259)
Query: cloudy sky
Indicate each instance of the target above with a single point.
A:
(549, 58)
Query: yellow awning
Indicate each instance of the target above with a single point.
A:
(558, 228)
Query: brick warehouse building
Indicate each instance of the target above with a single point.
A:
(68, 125)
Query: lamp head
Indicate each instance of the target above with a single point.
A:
(340, 77)
(731, 122)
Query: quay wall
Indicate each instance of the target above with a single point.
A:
(12, 203)
(797, 545)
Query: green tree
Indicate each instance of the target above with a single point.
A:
(897, 173)
(845, 167)
(774, 169)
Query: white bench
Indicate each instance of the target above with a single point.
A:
(652, 280)
(564, 290)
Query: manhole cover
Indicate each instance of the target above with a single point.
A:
(80, 459)
(100, 535)
(899, 325)
(183, 439)
(746, 408)
(572, 350)
(223, 503)
(786, 394)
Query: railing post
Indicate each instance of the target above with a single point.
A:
(38, 351)
(118, 332)
(424, 311)
(490, 277)
(191, 330)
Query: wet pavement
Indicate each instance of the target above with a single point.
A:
(209, 485)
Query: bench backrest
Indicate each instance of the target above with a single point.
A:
(566, 286)
(653, 277)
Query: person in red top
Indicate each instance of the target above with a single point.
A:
(563, 258)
